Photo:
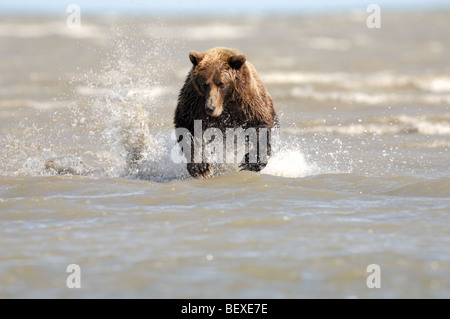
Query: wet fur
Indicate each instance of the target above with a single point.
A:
(246, 102)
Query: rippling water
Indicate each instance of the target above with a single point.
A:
(361, 176)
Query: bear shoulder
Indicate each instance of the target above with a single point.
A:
(188, 106)
(257, 101)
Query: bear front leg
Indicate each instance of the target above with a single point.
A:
(262, 155)
(188, 146)
(200, 170)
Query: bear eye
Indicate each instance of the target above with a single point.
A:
(221, 85)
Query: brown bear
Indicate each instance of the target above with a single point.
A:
(224, 91)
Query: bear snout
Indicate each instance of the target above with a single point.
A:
(213, 106)
(213, 110)
(210, 108)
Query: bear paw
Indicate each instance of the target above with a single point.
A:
(200, 170)
(254, 167)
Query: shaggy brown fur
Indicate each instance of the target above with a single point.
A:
(224, 91)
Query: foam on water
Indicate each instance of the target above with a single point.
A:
(289, 163)
(361, 97)
(437, 83)
(401, 124)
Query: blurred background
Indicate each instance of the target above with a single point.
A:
(171, 7)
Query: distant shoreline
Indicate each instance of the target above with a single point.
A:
(200, 8)
(193, 15)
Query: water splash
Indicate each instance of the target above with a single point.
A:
(289, 163)
(115, 125)
(125, 117)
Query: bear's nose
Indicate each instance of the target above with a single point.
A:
(209, 108)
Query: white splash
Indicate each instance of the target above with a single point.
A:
(289, 163)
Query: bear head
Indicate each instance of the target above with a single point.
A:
(214, 75)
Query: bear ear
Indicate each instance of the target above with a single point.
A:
(237, 61)
(195, 57)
